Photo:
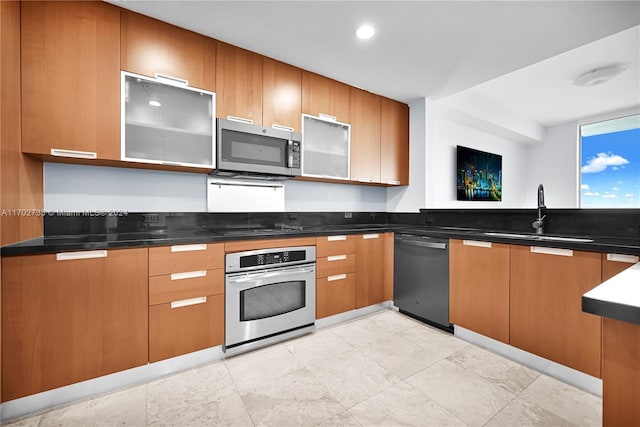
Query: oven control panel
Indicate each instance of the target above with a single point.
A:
(252, 260)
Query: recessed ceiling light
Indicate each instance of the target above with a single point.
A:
(365, 32)
(154, 103)
(598, 76)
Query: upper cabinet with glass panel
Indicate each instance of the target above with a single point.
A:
(325, 147)
(167, 122)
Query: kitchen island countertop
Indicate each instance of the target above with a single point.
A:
(617, 298)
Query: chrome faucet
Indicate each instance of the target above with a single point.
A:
(538, 224)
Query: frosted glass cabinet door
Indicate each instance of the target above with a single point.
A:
(325, 147)
(167, 123)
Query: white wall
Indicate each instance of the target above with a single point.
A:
(97, 188)
(554, 164)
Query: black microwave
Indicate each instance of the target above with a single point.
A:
(248, 149)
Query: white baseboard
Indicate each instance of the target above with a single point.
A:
(578, 379)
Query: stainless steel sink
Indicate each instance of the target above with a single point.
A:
(538, 237)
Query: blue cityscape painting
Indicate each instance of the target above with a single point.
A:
(479, 175)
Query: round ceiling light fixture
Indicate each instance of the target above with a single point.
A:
(598, 76)
(365, 32)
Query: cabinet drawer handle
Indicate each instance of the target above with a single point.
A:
(551, 251)
(365, 179)
(477, 243)
(336, 257)
(336, 277)
(188, 302)
(188, 248)
(631, 259)
(189, 275)
(172, 80)
(282, 127)
(327, 117)
(68, 256)
(74, 153)
(240, 119)
(393, 182)
(336, 238)
(370, 236)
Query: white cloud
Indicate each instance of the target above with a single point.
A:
(602, 161)
(609, 196)
(588, 193)
(584, 187)
(629, 196)
(615, 189)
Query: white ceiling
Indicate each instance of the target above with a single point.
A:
(522, 54)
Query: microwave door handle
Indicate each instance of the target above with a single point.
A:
(290, 154)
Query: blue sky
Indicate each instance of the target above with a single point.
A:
(610, 170)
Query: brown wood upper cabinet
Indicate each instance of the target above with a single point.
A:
(479, 287)
(322, 95)
(394, 142)
(152, 47)
(71, 317)
(365, 136)
(238, 83)
(71, 79)
(546, 315)
(281, 94)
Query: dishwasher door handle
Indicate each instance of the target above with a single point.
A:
(430, 245)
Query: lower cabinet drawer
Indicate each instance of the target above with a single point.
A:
(185, 328)
(335, 264)
(180, 286)
(335, 294)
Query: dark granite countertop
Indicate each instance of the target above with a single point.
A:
(62, 243)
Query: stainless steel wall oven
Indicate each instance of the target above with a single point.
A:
(270, 295)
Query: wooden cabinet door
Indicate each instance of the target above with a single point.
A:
(370, 277)
(546, 315)
(281, 94)
(479, 287)
(613, 264)
(238, 83)
(153, 47)
(65, 321)
(394, 142)
(322, 95)
(71, 79)
(335, 294)
(365, 136)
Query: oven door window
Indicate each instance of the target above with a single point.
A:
(272, 300)
(253, 149)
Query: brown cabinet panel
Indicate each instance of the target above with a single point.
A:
(238, 83)
(73, 320)
(322, 95)
(389, 241)
(611, 268)
(184, 258)
(394, 142)
(335, 245)
(150, 46)
(71, 77)
(281, 94)
(335, 296)
(163, 289)
(546, 315)
(479, 288)
(370, 265)
(365, 136)
(181, 330)
(329, 266)
(620, 373)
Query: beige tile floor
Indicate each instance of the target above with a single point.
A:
(381, 370)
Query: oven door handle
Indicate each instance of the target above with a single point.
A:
(252, 277)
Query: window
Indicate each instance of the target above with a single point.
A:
(610, 163)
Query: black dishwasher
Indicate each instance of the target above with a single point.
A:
(421, 278)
